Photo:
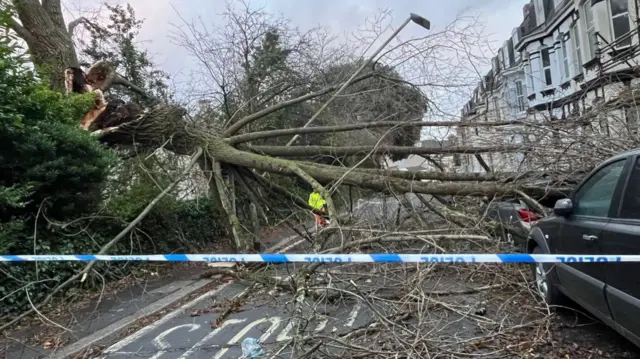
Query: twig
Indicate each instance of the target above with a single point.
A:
(110, 244)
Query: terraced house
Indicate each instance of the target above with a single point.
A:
(567, 58)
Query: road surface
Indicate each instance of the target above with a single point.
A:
(187, 333)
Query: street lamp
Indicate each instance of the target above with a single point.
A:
(417, 19)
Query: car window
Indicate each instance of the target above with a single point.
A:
(631, 197)
(594, 197)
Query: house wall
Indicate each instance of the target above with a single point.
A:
(564, 49)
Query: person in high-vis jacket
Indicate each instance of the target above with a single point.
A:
(319, 206)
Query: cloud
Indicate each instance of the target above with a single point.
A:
(340, 16)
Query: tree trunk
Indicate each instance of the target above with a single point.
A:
(50, 44)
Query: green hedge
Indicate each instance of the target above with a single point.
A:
(55, 198)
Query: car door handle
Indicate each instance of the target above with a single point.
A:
(588, 237)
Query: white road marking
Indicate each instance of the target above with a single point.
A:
(160, 343)
(211, 335)
(283, 242)
(292, 245)
(107, 333)
(145, 330)
(275, 322)
(353, 315)
(321, 325)
(284, 334)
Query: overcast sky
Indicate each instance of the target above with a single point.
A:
(499, 16)
(340, 16)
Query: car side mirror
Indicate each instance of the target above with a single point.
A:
(563, 207)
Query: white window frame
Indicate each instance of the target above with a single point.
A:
(575, 35)
(528, 73)
(590, 31)
(496, 108)
(565, 56)
(519, 91)
(546, 68)
(626, 14)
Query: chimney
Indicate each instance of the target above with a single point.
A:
(526, 9)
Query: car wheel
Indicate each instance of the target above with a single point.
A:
(544, 282)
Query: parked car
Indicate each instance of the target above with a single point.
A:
(515, 219)
(601, 217)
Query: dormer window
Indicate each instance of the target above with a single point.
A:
(539, 8)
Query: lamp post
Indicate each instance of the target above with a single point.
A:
(417, 19)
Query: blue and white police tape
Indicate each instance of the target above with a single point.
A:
(331, 258)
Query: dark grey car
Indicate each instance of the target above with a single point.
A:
(601, 217)
(515, 219)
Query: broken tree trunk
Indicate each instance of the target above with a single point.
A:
(50, 44)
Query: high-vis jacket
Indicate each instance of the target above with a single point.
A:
(316, 201)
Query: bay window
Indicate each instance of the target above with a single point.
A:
(520, 97)
(577, 64)
(620, 21)
(546, 66)
(591, 29)
(528, 74)
(565, 57)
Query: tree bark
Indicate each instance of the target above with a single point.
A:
(306, 151)
(50, 44)
(357, 126)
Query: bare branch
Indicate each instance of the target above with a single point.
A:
(282, 105)
(358, 126)
(302, 151)
(74, 23)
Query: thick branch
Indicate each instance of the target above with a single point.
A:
(118, 80)
(359, 126)
(255, 116)
(237, 157)
(483, 163)
(54, 9)
(277, 188)
(324, 129)
(428, 175)
(306, 151)
(21, 31)
(160, 126)
(249, 192)
(73, 24)
(316, 187)
(234, 224)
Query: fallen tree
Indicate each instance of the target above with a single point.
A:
(239, 147)
(228, 147)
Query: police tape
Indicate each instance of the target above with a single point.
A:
(331, 258)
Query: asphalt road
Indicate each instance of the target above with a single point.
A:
(188, 333)
(184, 335)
